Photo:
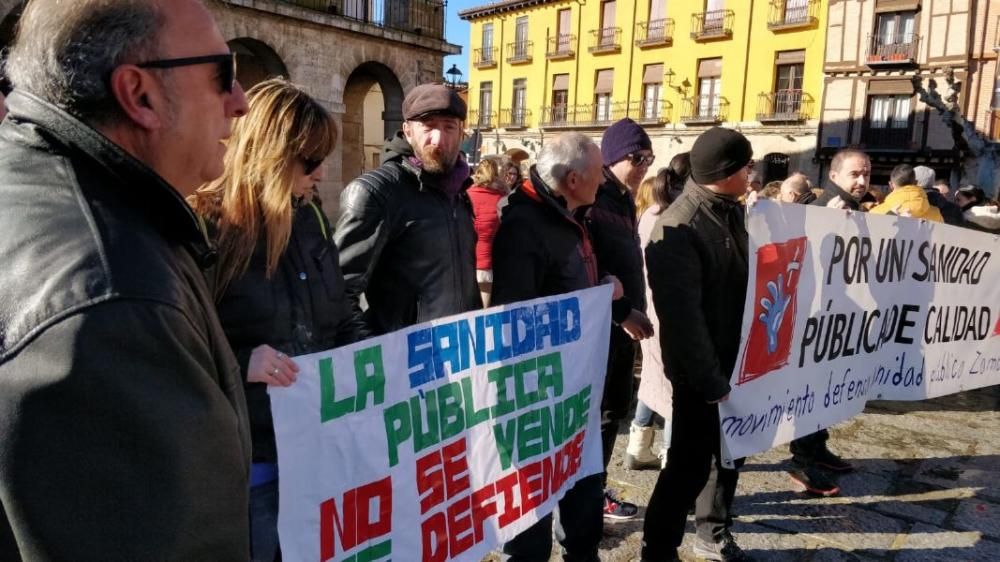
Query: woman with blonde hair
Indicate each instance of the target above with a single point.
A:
(488, 188)
(277, 283)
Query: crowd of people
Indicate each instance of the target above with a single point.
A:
(167, 254)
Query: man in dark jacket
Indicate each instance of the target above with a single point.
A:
(405, 232)
(850, 178)
(698, 270)
(541, 249)
(124, 428)
(627, 154)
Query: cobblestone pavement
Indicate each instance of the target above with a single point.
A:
(926, 488)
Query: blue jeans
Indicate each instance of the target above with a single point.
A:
(581, 520)
(264, 523)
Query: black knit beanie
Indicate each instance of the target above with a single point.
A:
(719, 153)
(621, 139)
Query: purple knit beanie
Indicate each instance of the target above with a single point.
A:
(623, 138)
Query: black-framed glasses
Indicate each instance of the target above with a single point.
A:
(226, 63)
(642, 159)
(311, 164)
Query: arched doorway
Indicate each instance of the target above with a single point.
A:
(256, 62)
(775, 167)
(368, 81)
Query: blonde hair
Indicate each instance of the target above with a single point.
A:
(644, 196)
(283, 126)
(487, 173)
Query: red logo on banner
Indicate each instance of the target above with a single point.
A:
(774, 308)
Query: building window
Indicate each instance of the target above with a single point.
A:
(652, 84)
(788, 69)
(560, 97)
(607, 38)
(715, 17)
(657, 25)
(796, 11)
(485, 103)
(709, 87)
(487, 52)
(563, 33)
(888, 121)
(521, 38)
(518, 104)
(995, 104)
(602, 94)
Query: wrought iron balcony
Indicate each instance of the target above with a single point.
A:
(584, 115)
(892, 50)
(517, 118)
(519, 51)
(654, 33)
(561, 47)
(484, 58)
(717, 24)
(784, 106)
(792, 14)
(887, 137)
(481, 120)
(606, 40)
(704, 110)
(423, 17)
(650, 112)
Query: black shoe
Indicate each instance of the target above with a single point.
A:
(825, 458)
(814, 481)
(617, 509)
(723, 550)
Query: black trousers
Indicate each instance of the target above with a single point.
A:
(694, 475)
(578, 530)
(806, 447)
(618, 384)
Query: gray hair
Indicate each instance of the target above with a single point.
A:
(567, 152)
(925, 177)
(65, 52)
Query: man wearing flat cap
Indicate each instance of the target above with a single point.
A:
(405, 231)
(698, 268)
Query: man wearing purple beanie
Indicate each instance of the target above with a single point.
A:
(613, 225)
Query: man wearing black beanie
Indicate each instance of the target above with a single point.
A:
(697, 264)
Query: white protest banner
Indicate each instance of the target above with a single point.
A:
(440, 441)
(845, 307)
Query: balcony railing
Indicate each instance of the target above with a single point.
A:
(654, 33)
(712, 25)
(606, 40)
(484, 58)
(517, 118)
(519, 51)
(792, 14)
(784, 106)
(601, 115)
(650, 112)
(887, 138)
(481, 120)
(994, 125)
(703, 110)
(561, 47)
(888, 50)
(423, 17)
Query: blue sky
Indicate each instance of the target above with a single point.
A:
(457, 32)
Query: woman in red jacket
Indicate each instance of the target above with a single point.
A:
(487, 190)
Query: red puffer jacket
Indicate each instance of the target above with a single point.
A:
(484, 208)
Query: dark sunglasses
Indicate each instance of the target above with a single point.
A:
(639, 159)
(311, 165)
(226, 63)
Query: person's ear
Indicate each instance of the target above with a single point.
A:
(139, 96)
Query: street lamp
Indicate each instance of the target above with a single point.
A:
(455, 75)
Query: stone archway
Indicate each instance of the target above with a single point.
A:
(256, 61)
(358, 87)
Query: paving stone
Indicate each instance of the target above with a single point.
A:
(927, 543)
(977, 514)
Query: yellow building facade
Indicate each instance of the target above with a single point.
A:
(539, 67)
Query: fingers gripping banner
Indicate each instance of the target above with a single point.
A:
(844, 307)
(441, 441)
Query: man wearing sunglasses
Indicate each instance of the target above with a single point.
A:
(627, 154)
(124, 431)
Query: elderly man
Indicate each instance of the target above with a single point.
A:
(405, 233)
(795, 189)
(926, 179)
(697, 264)
(613, 224)
(541, 249)
(124, 429)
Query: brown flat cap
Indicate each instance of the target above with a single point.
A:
(428, 99)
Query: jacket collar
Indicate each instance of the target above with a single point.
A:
(137, 184)
(834, 190)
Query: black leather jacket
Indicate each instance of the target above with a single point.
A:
(406, 245)
(696, 260)
(301, 309)
(124, 429)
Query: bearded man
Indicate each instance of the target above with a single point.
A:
(405, 232)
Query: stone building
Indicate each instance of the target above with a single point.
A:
(338, 50)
